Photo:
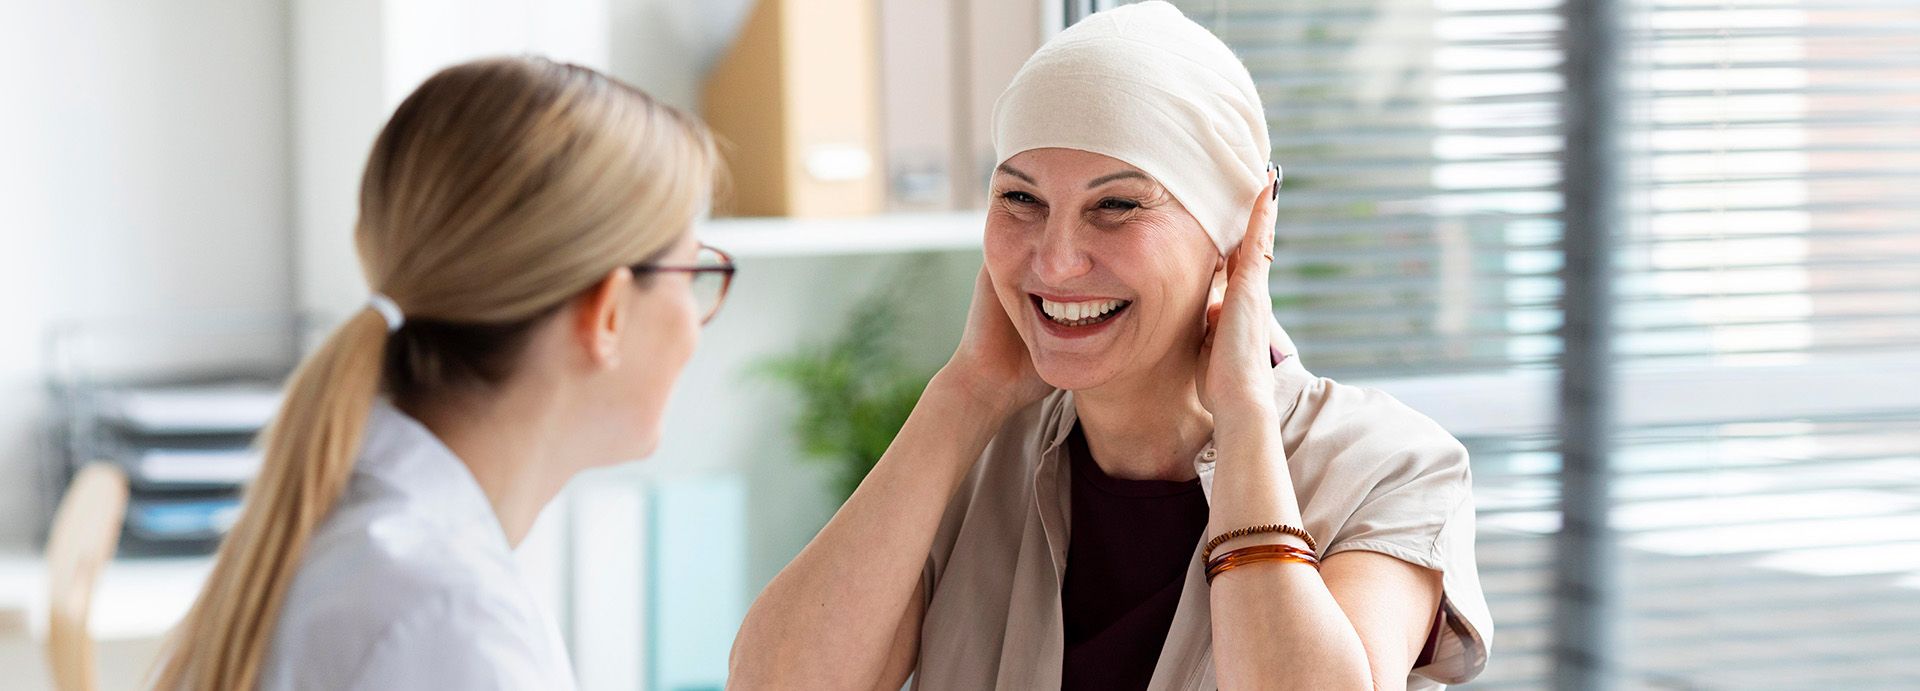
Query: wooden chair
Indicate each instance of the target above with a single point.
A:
(86, 531)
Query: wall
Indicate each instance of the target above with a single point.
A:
(144, 185)
(26, 216)
(353, 62)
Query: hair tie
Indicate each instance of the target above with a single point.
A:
(388, 311)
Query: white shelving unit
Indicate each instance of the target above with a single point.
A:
(753, 238)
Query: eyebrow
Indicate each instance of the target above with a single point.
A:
(1010, 170)
(1096, 182)
(1110, 177)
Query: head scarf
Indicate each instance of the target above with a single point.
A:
(1143, 84)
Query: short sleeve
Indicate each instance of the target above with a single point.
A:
(1465, 626)
(1410, 483)
(1410, 488)
(454, 642)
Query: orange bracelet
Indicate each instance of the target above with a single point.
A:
(1257, 554)
(1207, 553)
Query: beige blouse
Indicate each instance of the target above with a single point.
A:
(1371, 474)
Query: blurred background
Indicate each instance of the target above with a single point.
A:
(1657, 262)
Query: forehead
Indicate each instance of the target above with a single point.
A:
(1066, 165)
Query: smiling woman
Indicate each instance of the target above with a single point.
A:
(1097, 264)
(1113, 484)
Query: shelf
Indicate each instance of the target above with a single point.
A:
(215, 409)
(827, 237)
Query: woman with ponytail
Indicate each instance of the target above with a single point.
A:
(526, 228)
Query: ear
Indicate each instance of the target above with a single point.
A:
(1217, 284)
(600, 316)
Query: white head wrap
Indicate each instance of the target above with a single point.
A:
(1143, 84)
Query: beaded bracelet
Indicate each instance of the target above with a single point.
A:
(1207, 554)
(1257, 554)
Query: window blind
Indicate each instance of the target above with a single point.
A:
(1772, 235)
(1777, 152)
(1417, 229)
(1774, 223)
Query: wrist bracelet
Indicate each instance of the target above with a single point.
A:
(1258, 554)
(1207, 553)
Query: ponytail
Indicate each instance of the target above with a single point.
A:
(309, 453)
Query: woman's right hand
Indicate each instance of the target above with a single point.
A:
(992, 365)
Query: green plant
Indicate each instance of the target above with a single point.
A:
(856, 390)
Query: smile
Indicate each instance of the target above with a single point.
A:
(1081, 313)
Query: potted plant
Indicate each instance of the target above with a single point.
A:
(857, 389)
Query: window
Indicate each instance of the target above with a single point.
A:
(1766, 304)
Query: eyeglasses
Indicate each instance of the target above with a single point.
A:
(712, 272)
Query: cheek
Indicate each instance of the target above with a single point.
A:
(665, 340)
(666, 333)
(1004, 245)
(1185, 284)
(1006, 253)
(683, 335)
(1172, 289)
(690, 316)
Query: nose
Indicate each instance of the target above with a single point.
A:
(1058, 256)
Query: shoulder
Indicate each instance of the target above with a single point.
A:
(376, 584)
(1373, 472)
(1379, 476)
(380, 553)
(1362, 432)
(458, 638)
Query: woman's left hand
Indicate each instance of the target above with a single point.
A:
(1235, 372)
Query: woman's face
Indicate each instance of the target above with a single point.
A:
(1103, 272)
(662, 328)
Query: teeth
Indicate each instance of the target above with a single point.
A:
(1077, 311)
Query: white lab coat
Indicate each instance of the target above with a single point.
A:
(409, 583)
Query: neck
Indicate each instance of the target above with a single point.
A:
(1148, 428)
(506, 438)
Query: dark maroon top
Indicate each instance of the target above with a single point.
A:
(1127, 558)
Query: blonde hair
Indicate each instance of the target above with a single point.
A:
(498, 190)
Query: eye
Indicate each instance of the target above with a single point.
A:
(1116, 204)
(1019, 197)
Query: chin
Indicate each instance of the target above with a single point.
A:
(1072, 372)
